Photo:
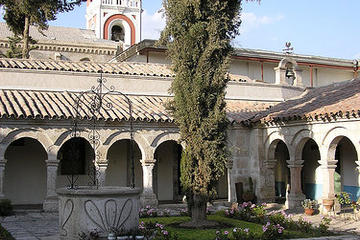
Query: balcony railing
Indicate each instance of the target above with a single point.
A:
(122, 3)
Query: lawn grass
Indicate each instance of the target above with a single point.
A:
(209, 234)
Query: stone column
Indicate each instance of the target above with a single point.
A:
(148, 197)
(295, 196)
(231, 184)
(102, 166)
(328, 173)
(269, 176)
(51, 201)
(298, 80)
(2, 177)
(280, 76)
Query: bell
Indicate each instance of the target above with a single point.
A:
(290, 73)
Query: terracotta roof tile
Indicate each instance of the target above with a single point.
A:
(142, 69)
(318, 103)
(32, 104)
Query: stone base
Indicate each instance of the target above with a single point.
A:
(148, 200)
(293, 202)
(51, 204)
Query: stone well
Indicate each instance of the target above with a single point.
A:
(86, 209)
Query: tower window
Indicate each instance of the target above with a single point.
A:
(117, 33)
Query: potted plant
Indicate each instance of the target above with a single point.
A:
(310, 206)
(328, 204)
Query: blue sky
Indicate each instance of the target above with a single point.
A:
(314, 27)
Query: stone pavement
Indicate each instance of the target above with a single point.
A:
(32, 225)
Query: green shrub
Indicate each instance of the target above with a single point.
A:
(5, 235)
(6, 208)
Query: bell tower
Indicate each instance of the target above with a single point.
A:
(116, 20)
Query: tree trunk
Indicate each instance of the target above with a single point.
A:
(26, 36)
(198, 210)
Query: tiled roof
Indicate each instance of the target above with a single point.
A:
(128, 68)
(31, 104)
(338, 100)
(147, 69)
(60, 34)
(60, 105)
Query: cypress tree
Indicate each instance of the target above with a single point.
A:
(198, 35)
(20, 14)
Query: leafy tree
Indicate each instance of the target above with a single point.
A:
(198, 35)
(20, 14)
(15, 50)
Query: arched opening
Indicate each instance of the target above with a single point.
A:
(167, 172)
(346, 175)
(118, 172)
(222, 186)
(282, 172)
(76, 159)
(311, 182)
(117, 33)
(25, 172)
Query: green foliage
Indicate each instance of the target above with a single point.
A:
(272, 231)
(197, 35)
(243, 230)
(20, 14)
(5, 235)
(343, 198)
(6, 209)
(356, 205)
(14, 51)
(310, 204)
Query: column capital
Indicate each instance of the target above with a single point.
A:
(148, 162)
(358, 163)
(3, 162)
(229, 164)
(102, 162)
(52, 162)
(270, 164)
(295, 163)
(328, 164)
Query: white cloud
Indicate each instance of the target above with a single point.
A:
(152, 25)
(251, 21)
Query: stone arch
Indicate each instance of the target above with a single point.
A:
(299, 140)
(163, 137)
(285, 61)
(119, 17)
(333, 137)
(147, 151)
(271, 142)
(40, 136)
